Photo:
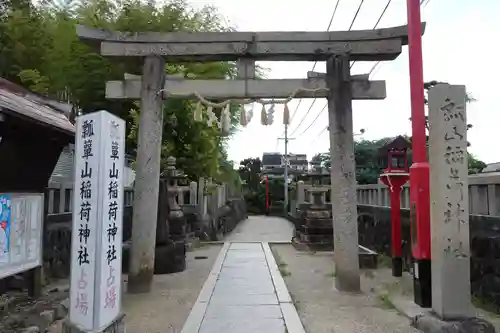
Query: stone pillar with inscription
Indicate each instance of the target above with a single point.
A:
(449, 202)
(96, 250)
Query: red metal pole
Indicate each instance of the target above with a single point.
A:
(419, 171)
(267, 194)
(397, 251)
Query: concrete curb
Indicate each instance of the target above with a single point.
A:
(193, 322)
(426, 321)
(290, 316)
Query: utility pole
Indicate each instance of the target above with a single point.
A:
(286, 138)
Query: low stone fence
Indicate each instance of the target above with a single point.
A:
(374, 223)
(484, 194)
(374, 226)
(211, 211)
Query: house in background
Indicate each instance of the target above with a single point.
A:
(491, 167)
(272, 161)
(298, 162)
(273, 165)
(64, 169)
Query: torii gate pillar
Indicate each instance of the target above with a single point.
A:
(146, 187)
(343, 174)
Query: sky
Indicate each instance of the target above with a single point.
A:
(456, 43)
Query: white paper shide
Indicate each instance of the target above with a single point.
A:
(97, 221)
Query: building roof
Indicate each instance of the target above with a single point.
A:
(399, 142)
(280, 171)
(19, 102)
(271, 159)
(491, 167)
(298, 162)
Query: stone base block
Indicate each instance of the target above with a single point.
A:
(318, 223)
(311, 247)
(192, 243)
(427, 321)
(368, 259)
(169, 258)
(318, 214)
(315, 238)
(430, 323)
(315, 230)
(117, 326)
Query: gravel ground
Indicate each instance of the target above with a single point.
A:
(168, 305)
(310, 280)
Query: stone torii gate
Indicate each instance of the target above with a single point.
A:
(337, 48)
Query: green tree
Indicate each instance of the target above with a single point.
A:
(249, 171)
(475, 165)
(41, 51)
(366, 158)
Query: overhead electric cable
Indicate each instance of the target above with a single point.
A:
(423, 3)
(314, 100)
(315, 63)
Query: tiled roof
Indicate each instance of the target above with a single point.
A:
(20, 103)
(492, 167)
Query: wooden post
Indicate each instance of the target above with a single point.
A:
(343, 175)
(35, 281)
(147, 177)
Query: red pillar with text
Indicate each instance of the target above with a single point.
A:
(419, 171)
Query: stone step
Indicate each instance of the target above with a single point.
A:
(318, 214)
(315, 231)
(317, 223)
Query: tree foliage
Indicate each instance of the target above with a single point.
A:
(40, 50)
(249, 171)
(365, 152)
(368, 164)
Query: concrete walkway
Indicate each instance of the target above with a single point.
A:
(262, 229)
(244, 292)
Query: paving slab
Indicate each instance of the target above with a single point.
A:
(262, 229)
(243, 297)
(243, 325)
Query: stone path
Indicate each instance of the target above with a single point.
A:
(262, 229)
(244, 293)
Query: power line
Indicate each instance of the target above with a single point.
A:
(319, 135)
(319, 114)
(424, 4)
(315, 63)
(356, 15)
(374, 27)
(314, 100)
(378, 21)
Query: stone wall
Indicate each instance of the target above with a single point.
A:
(224, 208)
(375, 233)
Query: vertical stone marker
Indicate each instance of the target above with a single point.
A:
(96, 252)
(449, 202)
